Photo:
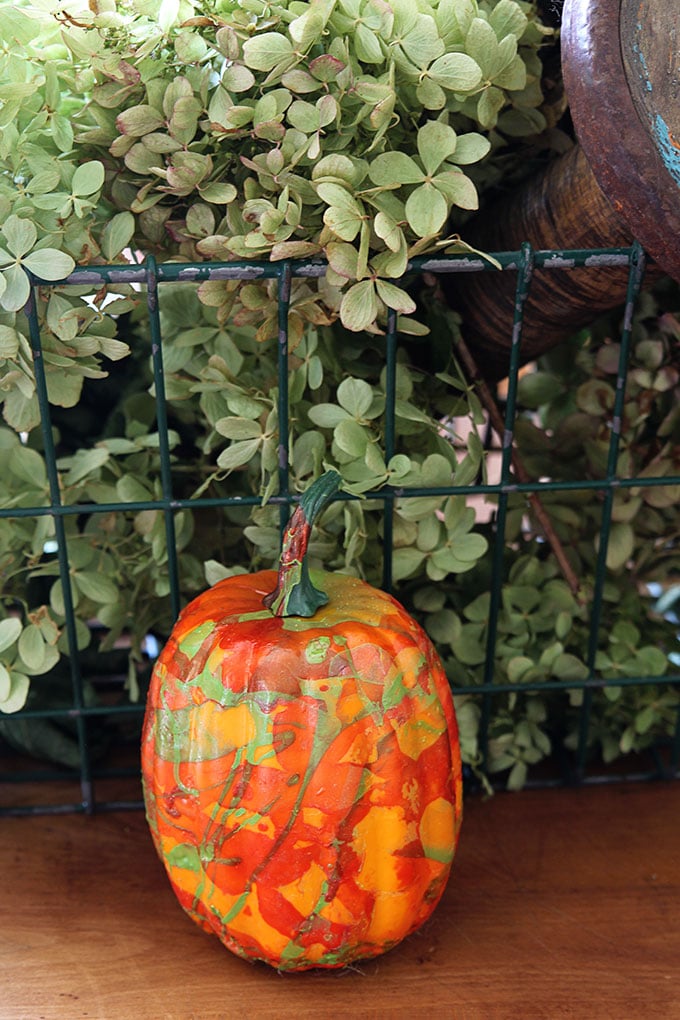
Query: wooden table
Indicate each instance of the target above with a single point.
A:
(563, 903)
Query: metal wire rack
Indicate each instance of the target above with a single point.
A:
(154, 278)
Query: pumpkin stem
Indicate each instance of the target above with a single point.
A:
(295, 595)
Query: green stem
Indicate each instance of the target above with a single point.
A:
(295, 595)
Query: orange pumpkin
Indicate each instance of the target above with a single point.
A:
(301, 764)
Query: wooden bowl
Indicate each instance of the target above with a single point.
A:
(621, 182)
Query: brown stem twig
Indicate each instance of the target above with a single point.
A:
(521, 473)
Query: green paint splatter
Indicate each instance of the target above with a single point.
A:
(317, 649)
(185, 856)
(195, 638)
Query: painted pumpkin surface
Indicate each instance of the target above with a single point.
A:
(301, 774)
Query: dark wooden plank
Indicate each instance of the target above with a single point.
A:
(562, 904)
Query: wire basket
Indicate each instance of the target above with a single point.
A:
(87, 778)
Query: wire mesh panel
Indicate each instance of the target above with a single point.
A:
(153, 279)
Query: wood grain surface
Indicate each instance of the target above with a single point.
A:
(562, 903)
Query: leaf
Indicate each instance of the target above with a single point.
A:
(238, 454)
(468, 647)
(391, 169)
(387, 228)
(537, 388)
(367, 45)
(621, 545)
(217, 193)
(17, 289)
(27, 465)
(518, 776)
(518, 667)
(454, 17)
(507, 18)
(18, 693)
(10, 629)
(351, 437)
(5, 684)
(263, 52)
(84, 463)
(489, 105)
(215, 571)
(482, 46)
(183, 123)
(167, 14)
(326, 67)
(96, 586)
(88, 178)
(21, 412)
(513, 76)
(568, 667)
(344, 215)
(355, 396)
(32, 648)
(436, 142)
(457, 72)
(359, 306)
(21, 235)
(470, 547)
(395, 297)
(343, 259)
(139, 120)
(327, 416)
(427, 210)
(422, 43)
(239, 428)
(44, 183)
(406, 562)
(470, 148)
(62, 133)
(457, 189)
(237, 78)
(294, 250)
(345, 223)
(431, 95)
(131, 490)
(303, 116)
(49, 264)
(117, 234)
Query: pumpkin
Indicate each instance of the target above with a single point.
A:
(300, 761)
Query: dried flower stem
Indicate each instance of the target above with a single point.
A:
(521, 473)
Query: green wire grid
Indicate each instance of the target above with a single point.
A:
(154, 276)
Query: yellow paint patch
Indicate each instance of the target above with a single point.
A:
(315, 952)
(376, 837)
(264, 756)
(261, 824)
(417, 734)
(250, 922)
(392, 918)
(304, 893)
(411, 793)
(216, 730)
(362, 751)
(314, 816)
(350, 708)
(335, 912)
(437, 829)
(409, 661)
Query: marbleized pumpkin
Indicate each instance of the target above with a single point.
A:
(301, 765)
